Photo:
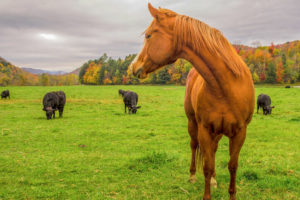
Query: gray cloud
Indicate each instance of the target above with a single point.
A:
(85, 29)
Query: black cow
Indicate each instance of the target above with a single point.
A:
(288, 86)
(52, 102)
(5, 94)
(264, 101)
(130, 100)
(122, 92)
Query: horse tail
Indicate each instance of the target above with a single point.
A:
(199, 159)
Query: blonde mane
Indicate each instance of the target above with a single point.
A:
(198, 35)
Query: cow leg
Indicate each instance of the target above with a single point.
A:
(53, 114)
(235, 145)
(193, 130)
(264, 111)
(61, 110)
(206, 145)
(125, 108)
(257, 109)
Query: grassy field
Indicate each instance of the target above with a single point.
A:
(97, 152)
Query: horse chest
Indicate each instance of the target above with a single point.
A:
(220, 121)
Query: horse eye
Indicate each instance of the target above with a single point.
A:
(148, 36)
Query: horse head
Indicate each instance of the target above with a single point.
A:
(159, 49)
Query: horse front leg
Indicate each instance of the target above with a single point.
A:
(235, 145)
(206, 145)
(193, 130)
(213, 180)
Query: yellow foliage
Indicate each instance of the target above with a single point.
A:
(91, 75)
(107, 81)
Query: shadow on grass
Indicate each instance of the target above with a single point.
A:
(297, 119)
(250, 175)
(150, 161)
(56, 118)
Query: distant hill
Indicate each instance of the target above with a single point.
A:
(41, 71)
(13, 75)
(76, 71)
(4, 62)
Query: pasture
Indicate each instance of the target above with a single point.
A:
(97, 152)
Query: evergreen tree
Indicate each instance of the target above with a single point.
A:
(271, 73)
(82, 72)
(101, 75)
(103, 58)
(163, 76)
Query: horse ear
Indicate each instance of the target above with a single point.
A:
(154, 12)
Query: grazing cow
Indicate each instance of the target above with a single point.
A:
(122, 92)
(5, 94)
(52, 102)
(288, 86)
(264, 101)
(130, 100)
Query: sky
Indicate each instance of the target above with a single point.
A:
(63, 34)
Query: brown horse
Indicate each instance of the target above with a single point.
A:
(219, 97)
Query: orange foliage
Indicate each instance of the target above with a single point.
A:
(91, 74)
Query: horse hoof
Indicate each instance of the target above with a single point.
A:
(232, 197)
(213, 182)
(193, 179)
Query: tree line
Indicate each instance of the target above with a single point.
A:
(108, 71)
(268, 64)
(274, 63)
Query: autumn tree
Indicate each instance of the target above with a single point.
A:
(44, 79)
(279, 73)
(91, 75)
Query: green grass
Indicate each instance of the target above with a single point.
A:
(97, 152)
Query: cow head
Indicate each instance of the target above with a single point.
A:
(49, 112)
(134, 109)
(268, 110)
(122, 92)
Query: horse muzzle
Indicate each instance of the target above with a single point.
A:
(140, 73)
(136, 68)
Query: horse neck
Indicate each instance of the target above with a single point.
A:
(212, 69)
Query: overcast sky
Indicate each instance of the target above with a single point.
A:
(63, 34)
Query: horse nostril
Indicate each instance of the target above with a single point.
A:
(139, 72)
